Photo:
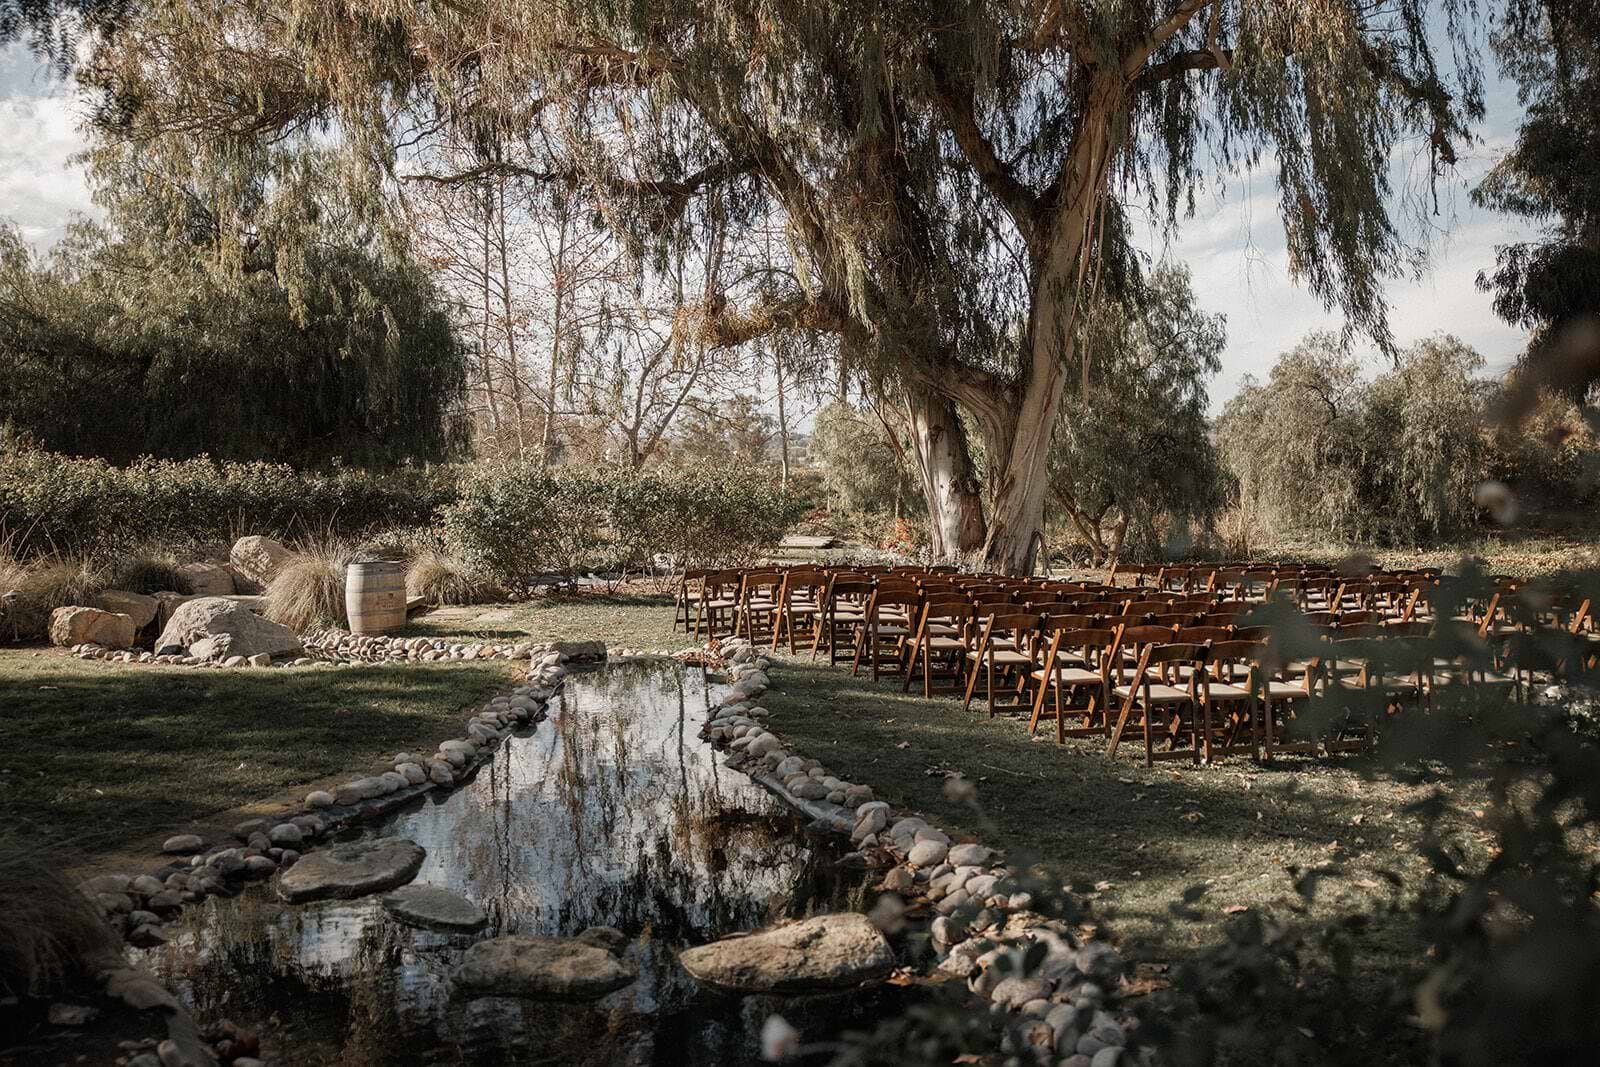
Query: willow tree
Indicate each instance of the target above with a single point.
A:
(951, 176)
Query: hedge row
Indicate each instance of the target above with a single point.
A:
(52, 503)
(510, 521)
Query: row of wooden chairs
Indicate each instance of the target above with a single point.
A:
(1170, 663)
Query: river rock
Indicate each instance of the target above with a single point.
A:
(579, 650)
(824, 953)
(75, 625)
(354, 870)
(928, 853)
(183, 844)
(436, 908)
(255, 561)
(970, 855)
(519, 965)
(217, 628)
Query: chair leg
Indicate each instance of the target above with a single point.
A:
(1061, 726)
(972, 680)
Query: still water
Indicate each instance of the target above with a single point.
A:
(610, 812)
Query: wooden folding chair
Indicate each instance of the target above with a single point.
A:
(1003, 650)
(1231, 722)
(717, 611)
(940, 644)
(844, 604)
(799, 606)
(884, 626)
(1074, 660)
(1166, 711)
(691, 586)
(759, 593)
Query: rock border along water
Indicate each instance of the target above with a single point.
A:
(1066, 1010)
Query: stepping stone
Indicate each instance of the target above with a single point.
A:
(828, 952)
(345, 872)
(552, 968)
(435, 908)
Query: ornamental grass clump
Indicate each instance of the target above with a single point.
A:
(51, 933)
(309, 591)
(442, 577)
(34, 589)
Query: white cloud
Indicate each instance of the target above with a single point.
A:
(40, 188)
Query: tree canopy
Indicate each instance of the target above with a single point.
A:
(1551, 286)
(144, 336)
(1135, 447)
(951, 179)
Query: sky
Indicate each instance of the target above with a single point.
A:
(1233, 245)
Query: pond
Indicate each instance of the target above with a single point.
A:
(612, 812)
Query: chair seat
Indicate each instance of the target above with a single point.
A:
(946, 643)
(721, 603)
(1158, 693)
(1490, 679)
(942, 630)
(1223, 691)
(1070, 676)
(1001, 656)
(802, 609)
(1277, 690)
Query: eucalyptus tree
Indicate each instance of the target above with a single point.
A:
(952, 177)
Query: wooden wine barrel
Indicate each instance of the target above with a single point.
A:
(375, 596)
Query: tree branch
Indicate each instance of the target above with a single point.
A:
(1163, 32)
(1020, 202)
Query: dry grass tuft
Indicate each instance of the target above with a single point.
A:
(443, 578)
(51, 932)
(309, 590)
(40, 586)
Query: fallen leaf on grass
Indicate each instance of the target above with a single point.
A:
(1192, 816)
(1234, 909)
(1101, 887)
(903, 744)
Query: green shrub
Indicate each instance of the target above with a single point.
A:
(511, 521)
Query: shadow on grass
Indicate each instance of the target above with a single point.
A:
(1240, 826)
(92, 754)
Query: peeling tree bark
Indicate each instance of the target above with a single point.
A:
(949, 482)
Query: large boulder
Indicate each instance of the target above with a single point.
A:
(562, 968)
(255, 561)
(829, 952)
(74, 626)
(207, 579)
(140, 608)
(358, 869)
(216, 627)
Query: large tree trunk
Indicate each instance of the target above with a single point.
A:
(1018, 424)
(949, 483)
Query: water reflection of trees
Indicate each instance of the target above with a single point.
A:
(611, 812)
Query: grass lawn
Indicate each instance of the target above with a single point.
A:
(95, 755)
